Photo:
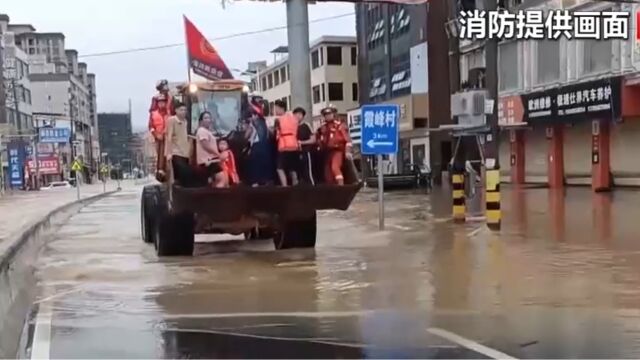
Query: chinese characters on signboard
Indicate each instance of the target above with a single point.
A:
(380, 129)
(16, 150)
(584, 101)
(46, 166)
(510, 110)
(54, 135)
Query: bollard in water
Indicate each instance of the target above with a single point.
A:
(459, 210)
(494, 214)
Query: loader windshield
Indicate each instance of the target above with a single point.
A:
(225, 107)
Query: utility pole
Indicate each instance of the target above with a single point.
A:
(492, 163)
(3, 115)
(298, 47)
(16, 103)
(36, 139)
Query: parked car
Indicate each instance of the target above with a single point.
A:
(57, 185)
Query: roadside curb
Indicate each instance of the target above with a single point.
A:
(17, 272)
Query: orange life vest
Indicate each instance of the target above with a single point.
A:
(288, 133)
(157, 122)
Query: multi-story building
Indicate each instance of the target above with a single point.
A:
(393, 69)
(64, 94)
(334, 77)
(568, 108)
(16, 98)
(115, 138)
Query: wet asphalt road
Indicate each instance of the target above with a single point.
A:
(560, 281)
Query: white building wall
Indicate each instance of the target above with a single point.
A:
(51, 97)
(346, 74)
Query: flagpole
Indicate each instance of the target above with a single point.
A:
(186, 47)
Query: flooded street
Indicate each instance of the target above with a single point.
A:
(561, 280)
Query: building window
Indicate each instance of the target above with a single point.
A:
(28, 96)
(399, 21)
(334, 55)
(276, 78)
(548, 61)
(509, 75)
(270, 81)
(336, 92)
(354, 92)
(316, 94)
(321, 56)
(376, 34)
(264, 83)
(315, 59)
(286, 103)
(289, 101)
(354, 56)
(283, 74)
(597, 56)
(401, 74)
(378, 79)
(322, 92)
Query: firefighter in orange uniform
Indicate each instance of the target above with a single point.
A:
(157, 127)
(336, 144)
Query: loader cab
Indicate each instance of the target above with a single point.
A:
(226, 100)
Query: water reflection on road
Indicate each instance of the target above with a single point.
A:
(560, 280)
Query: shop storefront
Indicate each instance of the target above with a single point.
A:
(625, 136)
(576, 121)
(512, 144)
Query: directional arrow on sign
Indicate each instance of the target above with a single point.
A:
(372, 143)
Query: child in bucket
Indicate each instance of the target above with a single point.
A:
(229, 163)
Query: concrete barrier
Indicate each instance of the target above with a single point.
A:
(17, 272)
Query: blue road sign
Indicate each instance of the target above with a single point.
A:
(380, 129)
(54, 135)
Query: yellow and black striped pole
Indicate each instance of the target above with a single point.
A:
(459, 210)
(494, 215)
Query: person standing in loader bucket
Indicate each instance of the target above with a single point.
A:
(157, 127)
(286, 126)
(336, 144)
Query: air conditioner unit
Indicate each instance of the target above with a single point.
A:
(468, 103)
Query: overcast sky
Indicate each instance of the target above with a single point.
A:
(122, 24)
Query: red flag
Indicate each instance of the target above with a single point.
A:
(203, 57)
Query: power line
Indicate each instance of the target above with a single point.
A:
(231, 36)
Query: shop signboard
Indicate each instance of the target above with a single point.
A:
(598, 99)
(17, 157)
(54, 135)
(510, 110)
(46, 166)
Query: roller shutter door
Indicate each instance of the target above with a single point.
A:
(505, 156)
(625, 153)
(536, 150)
(577, 154)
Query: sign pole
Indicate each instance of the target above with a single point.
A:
(380, 194)
(78, 185)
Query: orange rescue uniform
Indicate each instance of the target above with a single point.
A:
(334, 140)
(157, 127)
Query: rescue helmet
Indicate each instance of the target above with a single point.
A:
(162, 84)
(329, 110)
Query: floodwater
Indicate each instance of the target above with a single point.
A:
(560, 280)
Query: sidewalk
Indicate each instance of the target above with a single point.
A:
(21, 209)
